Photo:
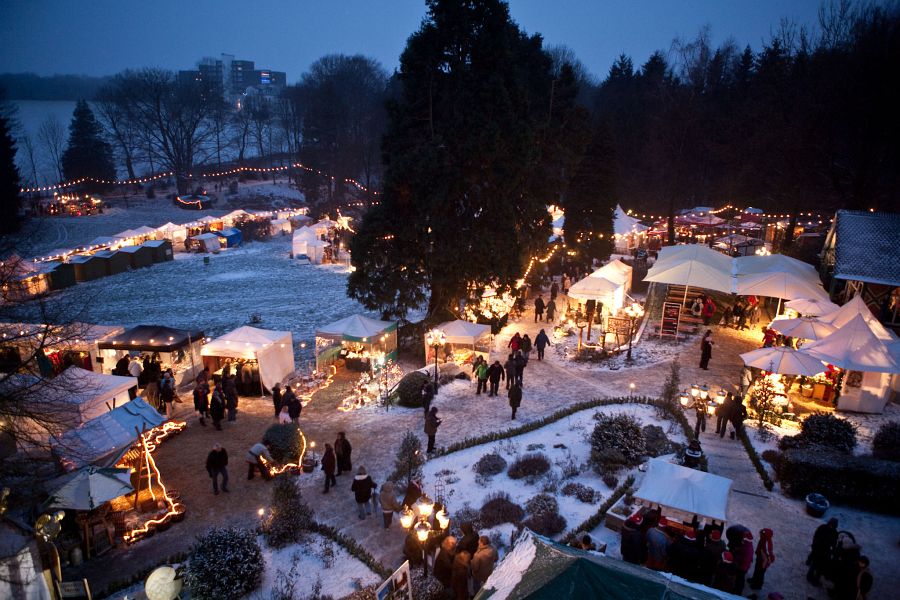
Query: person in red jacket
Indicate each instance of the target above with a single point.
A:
(765, 556)
(709, 309)
(743, 558)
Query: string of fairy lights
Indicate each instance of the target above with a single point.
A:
(226, 173)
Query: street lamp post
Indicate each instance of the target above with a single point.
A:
(416, 520)
(633, 312)
(436, 339)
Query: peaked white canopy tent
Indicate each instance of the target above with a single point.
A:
(786, 285)
(273, 351)
(857, 306)
(806, 328)
(356, 336)
(464, 341)
(784, 361)
(693, 265)
(812, 307)
(305, 244)
(682, 492)
(626, 229)
(872, 365)
(207, 242)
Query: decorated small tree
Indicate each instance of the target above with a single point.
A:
(290, 516)
(762, 400)
(409, 461)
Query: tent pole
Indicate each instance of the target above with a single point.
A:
(191, 352)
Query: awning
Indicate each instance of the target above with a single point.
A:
(464, 332)
(855, 347)
(356, 328)
(687, 490)
(151, 338)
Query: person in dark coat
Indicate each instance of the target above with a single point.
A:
(823, 544)
(723, 414)
(495, 375)
(201, 402)
(329, 464)
(551, 311)
(634, 549)
(427, 395)
(710, 557)
(700, 410)
(122, 366)
(469, 540)
(765, 556)
(231, 396)
(658, 543)
(684, 556)
(539, 309)
(362, 487)
(526, 347)
(293, 404)
(724, 575)
(217, 407)
(554, 290)
(515, 398)
(216, 465)
(276, 398)
(706, 345)
(459, 579)
(738, 414)
(510, 367)
(432, 422)
(413, 493)
(343, 452)
(443, 563)
(864, 579)
(521, 362)
(743, 558)
(541, 342)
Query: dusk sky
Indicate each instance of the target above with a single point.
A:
(102, 37)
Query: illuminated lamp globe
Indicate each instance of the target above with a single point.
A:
(442, 519)
(425, 506)
(422, 531)
(162, 584)
(684, 398)
(406, 519)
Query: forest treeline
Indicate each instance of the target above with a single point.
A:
(29, 86)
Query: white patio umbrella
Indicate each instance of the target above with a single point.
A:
(783, 284)
(693, 266)
(784, 361)
(855, 347)
(812, 307)
(806, 328)
(90, 487)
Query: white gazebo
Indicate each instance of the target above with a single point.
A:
(464, 341)
(683, 493)
(272, 350)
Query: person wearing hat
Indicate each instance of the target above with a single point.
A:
(765, 556)
(743, 558)
(710, 556)
(684, 556)
(658, 542)
(362, 487)
(725, 574)
(823, 543)
(634, 548)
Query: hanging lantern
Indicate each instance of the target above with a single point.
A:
(695, 390)
(684, 398)
(422, 531)
(442, 519)
(406, 519)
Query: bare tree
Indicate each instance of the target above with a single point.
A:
(27, 146)
(112, 107)
(52, 136)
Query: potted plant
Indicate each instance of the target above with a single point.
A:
(309, 462)
(178, 513)
(816, 505)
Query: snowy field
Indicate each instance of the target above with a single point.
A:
(565, 442)
(256, 279)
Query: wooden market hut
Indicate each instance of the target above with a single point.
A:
(139, 256)
(115, 262)
(162, 250)
(62, 275)
(88, 267)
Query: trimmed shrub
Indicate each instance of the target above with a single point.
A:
(409, 461)
(608, 461)
(465, 514)
(530, 466)
(886, 443)
(859, 481)
(773, 457)
(499, 508)
(409, 390)
(225, 564)
(610, 480)
(490, 464)
(540, 504)
(617, 432)
(290, 517)
(656, 442)
(823, 429)
(584, 493)
(284, 440)
(548, 524)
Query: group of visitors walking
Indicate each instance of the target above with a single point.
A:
(336, 460)
(286, 403)
(463, 565)
(550, 306)
(841, 561)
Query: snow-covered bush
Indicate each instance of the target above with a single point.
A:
(886, 443)
(465, 514)
(610, 480)
(499, 508)
(823, 429)
(409, 390)
(656, 442)
(409, 461)
(619, 432)
(542, 503)
(284, 442)
(609, 460)
(584, 493)
(290, 516)
(529, 466)
(490, 464)
(224, 564)
(548, 524)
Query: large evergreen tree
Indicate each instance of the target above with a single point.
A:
(465, 158)
(88, 153)
(9, 180)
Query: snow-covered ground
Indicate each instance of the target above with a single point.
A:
(255, 279)
(651, 350)
(565, 442)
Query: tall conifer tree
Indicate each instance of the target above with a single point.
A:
(88, 154)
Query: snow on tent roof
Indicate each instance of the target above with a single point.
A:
(205, 236)
(855, 347)
(695, 265)
(688, 490)
(623, 223)
(616, 271)
(593, 288)
(355, 328)
(155, 243)
(104, 439)
(273, 349)
(464, 332)
(774, 263)
(144, 230)
(537, 568)
(245, 336)
(152, 338)
(857, 306)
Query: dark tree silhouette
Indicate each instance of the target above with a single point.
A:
(10, 199)
(88, 154)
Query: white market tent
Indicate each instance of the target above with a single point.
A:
(306, 244)
(784, 361)
(600, 289)
(459, 334)
(774, 263)
(782, 284)
(682, 492)
(172, 232)
(694, 265)
(617, 271)
(625, 228)
(873, 365)
(279, 226)
(857, 306)
(207, 242)
(273, 350)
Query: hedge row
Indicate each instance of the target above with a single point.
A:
(755, 459)
(860, 481)
(595, 519)
(352, 548)
(551, 418)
